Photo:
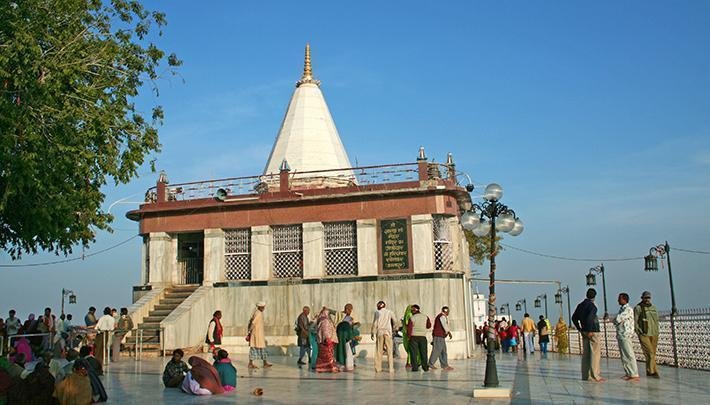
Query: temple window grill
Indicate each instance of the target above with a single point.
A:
(340, 248)
(237, 254)
(287, 251)
(443, 248)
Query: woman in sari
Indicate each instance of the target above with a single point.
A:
(347, 334)
(202, 379)
(327, 338)
(313, 338)
(561, 336)
(405, 335)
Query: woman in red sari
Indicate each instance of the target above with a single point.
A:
(327, 338)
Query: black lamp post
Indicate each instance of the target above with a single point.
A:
(592, 280)
(525, 305)
(72, 297)
(503, 308)
(651, 264)
(565, 290)
(538, 304)
(481, 219)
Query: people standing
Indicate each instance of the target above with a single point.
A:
(124, 325)
(214, 331)
(587, 323)
(561, 336)
(417, 329)
(12, 327)
(344, 349)
(257, 339)
(302, 331)
(381, 332)
(647, 328)
(624, 322)
(544, 331)
(104, 327)
(528, 333)
(513, 336)
(405, 335)
(327, 339)
(440, 332)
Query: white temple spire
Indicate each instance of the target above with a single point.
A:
(308, 138)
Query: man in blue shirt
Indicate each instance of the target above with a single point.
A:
(586, 321)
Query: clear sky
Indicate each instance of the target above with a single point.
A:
(593, 116)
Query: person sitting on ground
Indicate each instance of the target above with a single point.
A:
(22, 345)
(17, 366)
(85, 353)
(37, 388)
(175, 370)
(68, 368)
(75, 389)
(202, 379)
(226, 370)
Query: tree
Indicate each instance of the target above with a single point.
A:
(70, 72)
(479, 247)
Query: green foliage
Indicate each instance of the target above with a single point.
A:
(69, 74)
(479, 248)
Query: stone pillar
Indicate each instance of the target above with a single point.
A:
(162, 259)
(261, 244)
(313, 250)
(175, 272)
(213, 256)
(423, 243)
(455, 233)
(145, 260)
(367, 247)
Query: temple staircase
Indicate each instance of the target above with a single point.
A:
(150, 325)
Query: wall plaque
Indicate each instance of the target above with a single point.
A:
(395, 244)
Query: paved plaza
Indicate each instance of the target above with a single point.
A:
(555, 379)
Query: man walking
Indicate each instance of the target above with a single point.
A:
(624, 322)
(417, 328)
(257, 340)
(647, 328)
(440, 332)
(382, 330)
(302, 330)
(528, 333)
(586, 321)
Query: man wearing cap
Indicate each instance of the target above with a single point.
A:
(382, 329)
(257, 340)
(647, 328)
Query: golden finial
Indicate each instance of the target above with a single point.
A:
(307, 71)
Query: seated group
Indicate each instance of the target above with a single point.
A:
(201, 377)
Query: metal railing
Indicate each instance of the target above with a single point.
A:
(692, 327)
(352, 176)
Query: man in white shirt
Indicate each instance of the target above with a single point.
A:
(382, 326)
(624, 322)
(12, 324)
(104, 327)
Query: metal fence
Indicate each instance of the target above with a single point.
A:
(692, 327)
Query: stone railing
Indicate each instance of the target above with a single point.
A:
(692, 327)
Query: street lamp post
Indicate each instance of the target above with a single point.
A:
(592, 280)
(651, 264)
(72, 297)
(481, 219)
(503, 307)
(538, 304)
(525, 305)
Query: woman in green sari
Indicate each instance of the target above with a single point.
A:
(405, 335)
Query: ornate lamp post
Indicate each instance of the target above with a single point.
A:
(592, 280)
(525, 305)
(481, 219)
(651, 264)
(538, 303)
(503, 308)
(72, 297)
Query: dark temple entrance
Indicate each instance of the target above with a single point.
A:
(190, 250)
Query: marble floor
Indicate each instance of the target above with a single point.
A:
(555, 379)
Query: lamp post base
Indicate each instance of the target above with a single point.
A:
(500, 392)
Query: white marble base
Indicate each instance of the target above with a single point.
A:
(500, 392)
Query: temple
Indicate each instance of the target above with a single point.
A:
(310, 230)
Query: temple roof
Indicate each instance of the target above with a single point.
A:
(307, 139)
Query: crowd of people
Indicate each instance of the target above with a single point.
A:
(49, 359)
(508, 337)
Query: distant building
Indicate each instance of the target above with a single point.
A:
(310, 230)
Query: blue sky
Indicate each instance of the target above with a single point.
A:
(594, 117)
